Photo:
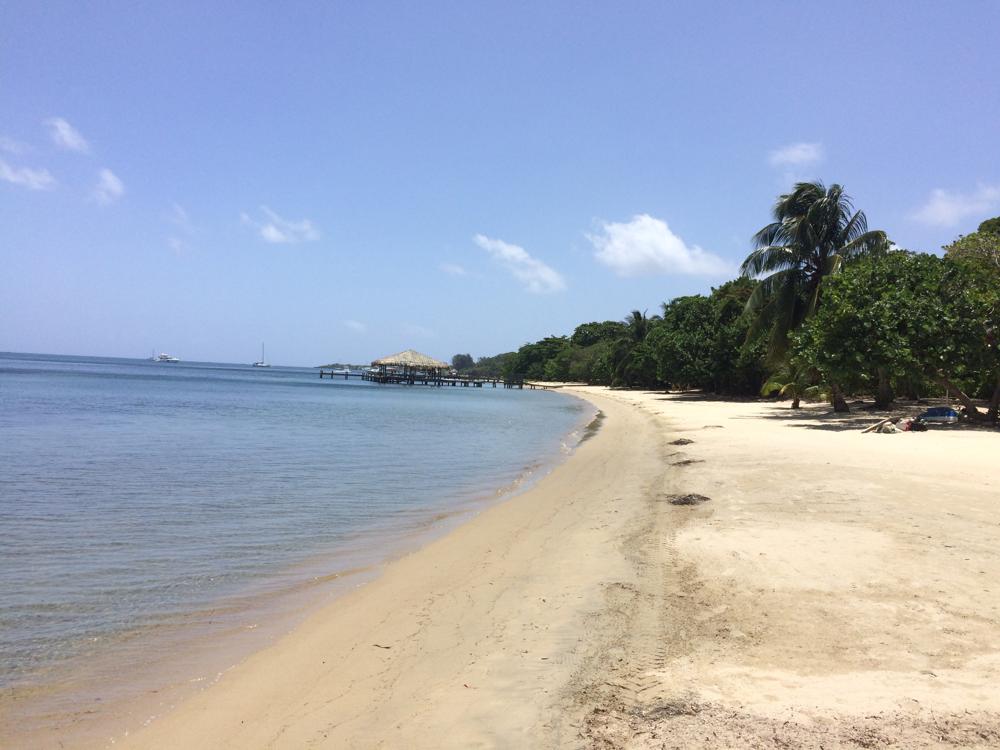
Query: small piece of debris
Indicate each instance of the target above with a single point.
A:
(671, 709)
(687, 461)
(689, 499)
(379, 645)
(681, 441)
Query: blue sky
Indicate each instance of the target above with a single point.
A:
(345, 180)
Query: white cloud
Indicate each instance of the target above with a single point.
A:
(945, 208)
(109, 188)
(33, 179)
(65, 136)
(796, 155)
(645, 245)
(180, 218)
(278, 230)
(356, 326)
(536, 276)
(453, 269)
(184, 229)
(11, 146)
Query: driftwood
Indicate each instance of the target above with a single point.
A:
(876, 426)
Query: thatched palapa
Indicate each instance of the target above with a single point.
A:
(411, 359)
(408, 368)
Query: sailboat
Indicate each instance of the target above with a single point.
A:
(263, 362)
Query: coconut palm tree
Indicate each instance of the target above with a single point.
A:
(815, 231)
(629, 361)
(790, 381)
(638, 325)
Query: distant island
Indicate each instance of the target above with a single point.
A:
(340, 366)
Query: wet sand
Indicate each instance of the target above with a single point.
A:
(835, 590)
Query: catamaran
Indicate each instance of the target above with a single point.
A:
(263, 361)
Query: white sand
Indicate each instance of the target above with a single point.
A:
(838, 590)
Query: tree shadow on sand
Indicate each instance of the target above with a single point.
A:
(821, 417)
(863, 414)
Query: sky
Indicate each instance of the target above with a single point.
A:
(346, 180)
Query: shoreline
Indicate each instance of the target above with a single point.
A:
(402, 609)
(834, 590)
(168, 663)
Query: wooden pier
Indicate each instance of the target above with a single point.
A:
(425, 378)
(413, 368)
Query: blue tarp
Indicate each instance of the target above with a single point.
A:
(940, 414)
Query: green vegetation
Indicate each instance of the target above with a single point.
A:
(912, 321)
(814, 233)
(463, 362)
(484, 367)
(707, 342)
(823, 307)
(979, 250)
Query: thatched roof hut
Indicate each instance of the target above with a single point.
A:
(412, 360)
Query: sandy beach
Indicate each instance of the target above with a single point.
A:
(835, 590)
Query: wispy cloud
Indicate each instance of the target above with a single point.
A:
(179, 217)
(65, 136)
(536, 276)
(356, 326)
(946, 208)
(10, 146)
(796, 155)
(453, 269)
(183, 229)
(275, 229)
(33, 179)
(645, 245)
(109, 188)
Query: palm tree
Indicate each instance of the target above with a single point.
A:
(627, 369)
(791, 382)
(638, 325)
(815, 231)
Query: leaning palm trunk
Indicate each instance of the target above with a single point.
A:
(994, 412)
(837, 397)
(884, 396)
(971, 410)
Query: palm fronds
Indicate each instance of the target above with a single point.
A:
(814, 232)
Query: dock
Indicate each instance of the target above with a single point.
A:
(413, 368)
(424, 378)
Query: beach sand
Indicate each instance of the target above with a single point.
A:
(836, 590)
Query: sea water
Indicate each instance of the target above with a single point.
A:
(135, 495)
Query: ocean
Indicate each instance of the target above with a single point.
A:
(142, 499)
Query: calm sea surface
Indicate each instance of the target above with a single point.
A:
(135, 493)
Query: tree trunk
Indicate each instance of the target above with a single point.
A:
(884, 396)
(795, 402)
(970, 408)
(837, 396)
(994, 412)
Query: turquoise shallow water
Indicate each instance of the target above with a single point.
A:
(134, 493)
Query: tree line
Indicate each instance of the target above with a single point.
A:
(823, 308)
